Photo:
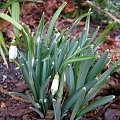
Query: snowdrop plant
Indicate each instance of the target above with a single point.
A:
(51, 62)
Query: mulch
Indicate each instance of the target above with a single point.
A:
(11, 79)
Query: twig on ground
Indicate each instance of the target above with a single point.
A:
(90, 4)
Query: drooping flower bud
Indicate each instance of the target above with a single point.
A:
(55, 84)
(13, 51)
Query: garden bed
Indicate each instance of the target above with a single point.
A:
(14, 108)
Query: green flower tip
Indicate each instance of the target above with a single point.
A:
(56, 30)
(13, 42)
(56, 77)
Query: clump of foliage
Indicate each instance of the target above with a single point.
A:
(50, 62)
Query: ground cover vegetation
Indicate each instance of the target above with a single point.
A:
(51, 62)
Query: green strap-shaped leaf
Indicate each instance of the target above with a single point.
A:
(101, 38)
(15, 11)
(97, 68)
(71, 49)
(40, 28)
(62, 54)
(2, 42)
(93, 91)
(61, 87)
(3, 56)
(78, 103)
(84, 68)
(37, 111)
(80, 58)
(11, 20)
(71, 100)
(84, 34)
(54, 18)
(57, 110)
(70, 80)
(7, 4)
(95, 104)
(92, 36)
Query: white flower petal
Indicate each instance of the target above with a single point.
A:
(12, 52)
(54, 86)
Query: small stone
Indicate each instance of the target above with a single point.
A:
(3, 105)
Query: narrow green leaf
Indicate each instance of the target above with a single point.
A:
(62, 54)
(97, 68)
(44, 75)
(37, 111)
(42, 90)
(79, 50)
(84, 34)
(57, 110)
(109, 71)
(56, 57)
(2, 42)
(23, 95)
(39, 62)
(71, 50)
(94, 90)
(71, 81)
(101, 38)
(95, 104)
(70, 101)
(40, 28)
(78, 103)
(77, 21)
(80, 58)
(54, 18)
(61, 87)
(84, 68)
(36, 82)
(3, 56)
(11, 20)
(15, 11)
(93, 35)
(7, 4)
(25, 41)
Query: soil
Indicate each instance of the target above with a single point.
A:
(11, 79)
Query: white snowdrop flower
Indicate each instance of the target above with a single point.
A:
(55, 84)
(57, 34)
(12, 52)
